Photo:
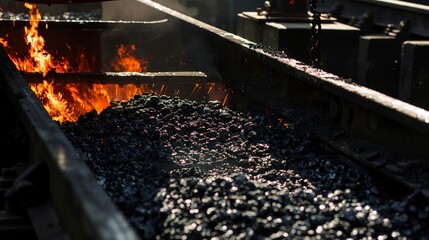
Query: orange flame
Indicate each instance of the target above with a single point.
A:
(54, 103)
(83, 99)
(3, 42)
(125, 61)
(74, 99)
(40, 60)
(68, 102)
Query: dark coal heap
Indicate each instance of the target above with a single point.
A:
(198, 170)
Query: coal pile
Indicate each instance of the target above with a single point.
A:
(199, 170)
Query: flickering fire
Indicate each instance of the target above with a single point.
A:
(39, 59)
(84, 98)
(3, 42)
(125, 60)
(67, 103)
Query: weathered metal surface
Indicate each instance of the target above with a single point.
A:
(13, 226)
(280, 82)
(286, 8)
(413, 80)
(219, 13)
(338, 38)
(263, 18)
(46, 224)
(379, 63)
(84, 209)
(384, 12)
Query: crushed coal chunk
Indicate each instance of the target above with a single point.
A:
(199, 170)
(67, 15)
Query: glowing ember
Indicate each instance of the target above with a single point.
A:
(196, 89)
(3, 42)
(225, 100)
(286, 125)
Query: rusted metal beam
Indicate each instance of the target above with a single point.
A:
(186, 77)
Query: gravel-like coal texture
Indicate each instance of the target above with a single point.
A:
(70, 15)
(180, 169)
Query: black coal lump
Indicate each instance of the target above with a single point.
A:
(199, 170)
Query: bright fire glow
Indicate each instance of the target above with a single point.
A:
(125, 60)
(39, 59)
(3, 42)
(66, 102)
